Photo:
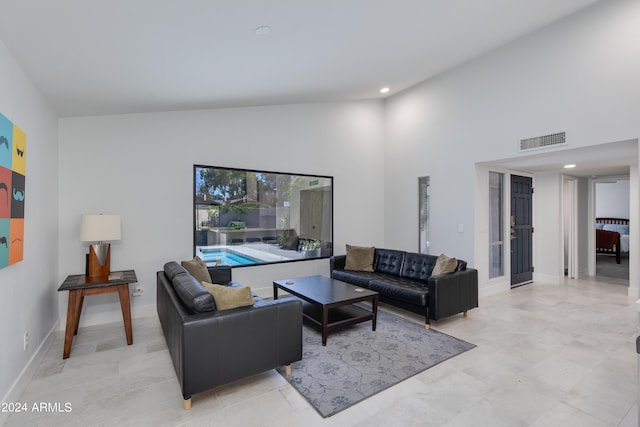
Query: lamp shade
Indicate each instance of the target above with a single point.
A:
(100, 228)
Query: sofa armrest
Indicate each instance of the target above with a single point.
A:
(337, 262)
(224, 346)
(214, 348)
(452, 293)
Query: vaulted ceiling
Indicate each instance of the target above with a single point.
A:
(124, 56)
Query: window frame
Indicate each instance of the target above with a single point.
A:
(424, 220)
(496, 225)
(272, 206)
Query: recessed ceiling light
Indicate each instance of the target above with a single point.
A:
(384, 90)
(263, 30)
(569, 166)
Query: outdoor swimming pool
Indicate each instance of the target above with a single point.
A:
(227, 257)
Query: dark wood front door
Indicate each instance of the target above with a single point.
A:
(521, 230)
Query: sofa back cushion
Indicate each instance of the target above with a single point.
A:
(172, 269)
(192, 293)
(418, 266)
(388, 261)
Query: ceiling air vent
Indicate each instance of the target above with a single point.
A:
(543, 141)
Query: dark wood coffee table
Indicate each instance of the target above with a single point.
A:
(329, 303)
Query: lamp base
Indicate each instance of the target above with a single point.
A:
(99, 261)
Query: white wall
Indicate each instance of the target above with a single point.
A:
(140, 166)
(576, 76)
(547, 221)
(29, 288)
(612, 199)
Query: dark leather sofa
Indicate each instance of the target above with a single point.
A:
(404, 279)
(209, 347)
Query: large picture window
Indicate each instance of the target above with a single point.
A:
(249, 217)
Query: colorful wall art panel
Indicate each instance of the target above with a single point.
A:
(13, 169)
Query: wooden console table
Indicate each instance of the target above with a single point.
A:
(79, 286)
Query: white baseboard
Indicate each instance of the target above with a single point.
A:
(582, 273)
(493, 289)
(27, 372)
(500, 286)
(548, 278)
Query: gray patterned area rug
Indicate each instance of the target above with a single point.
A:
(357, 362)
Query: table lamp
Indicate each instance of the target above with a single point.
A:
(99, 228)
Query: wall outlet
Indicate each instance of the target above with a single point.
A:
(26, 340)
(137, 291)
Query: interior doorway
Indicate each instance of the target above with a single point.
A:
(612, 212)
(592, 162)
(569, 226)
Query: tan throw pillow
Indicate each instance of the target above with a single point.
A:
(198, 269)
(227, 297)
(359, 258)
(444, 264)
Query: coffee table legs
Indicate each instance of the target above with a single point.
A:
(325, 324)
(374, 312)
(320, 316)
(325, 319)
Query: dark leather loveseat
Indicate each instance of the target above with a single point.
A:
(212, 347)
(404, 279)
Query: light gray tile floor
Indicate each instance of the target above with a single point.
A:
(546, 355)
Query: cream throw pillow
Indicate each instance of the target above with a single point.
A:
(359, 258)
(227, 297)
(444, 264)
(198, 269)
